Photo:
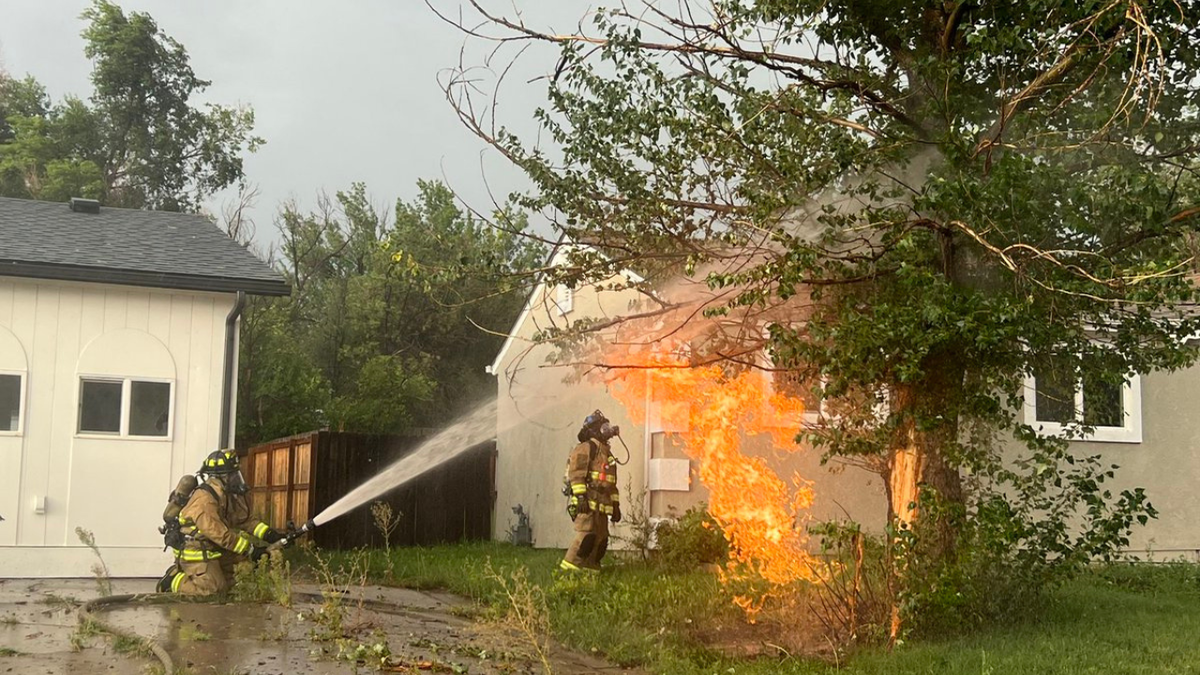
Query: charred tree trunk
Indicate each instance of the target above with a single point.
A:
(918, 465)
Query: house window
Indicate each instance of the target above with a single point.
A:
(125, 407)
(1055, 399)
(100, 407)
(149, 408)
(564, 299)
(10, 402)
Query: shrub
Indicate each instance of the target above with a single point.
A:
(695, 538)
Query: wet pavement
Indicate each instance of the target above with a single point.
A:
(396, 630)
(40, 633)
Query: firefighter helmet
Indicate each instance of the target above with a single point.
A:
(220, 462)
(597, 426)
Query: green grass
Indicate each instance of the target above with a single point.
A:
(1114, 620)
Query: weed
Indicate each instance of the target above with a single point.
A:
(9, 651)
(851, 591)
(267, 581)
(526, 610)
(100, 568)
(10, 620)
(193, 634)
(386, 521)
(375, 651)
(83, 633)
(330, 620)
(134, 646)
(637, 524)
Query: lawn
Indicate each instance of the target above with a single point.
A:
(1114, 619)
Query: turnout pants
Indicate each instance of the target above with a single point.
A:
(203, 577)
(590, 544)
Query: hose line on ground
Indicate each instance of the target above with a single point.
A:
(88, 613)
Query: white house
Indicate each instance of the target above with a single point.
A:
(118, 355)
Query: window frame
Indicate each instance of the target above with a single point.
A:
(1131, 405)
(22, 403)
(126, 403)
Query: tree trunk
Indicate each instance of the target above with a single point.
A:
(917, 463)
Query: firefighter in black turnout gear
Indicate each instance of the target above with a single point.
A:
(214, 529)
(591, 488)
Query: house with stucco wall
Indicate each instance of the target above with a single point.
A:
(541, 405)
(118, 369)
(1144, 425)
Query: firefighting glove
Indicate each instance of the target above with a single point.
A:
(616, 514)
(256, 552)
(272, 535)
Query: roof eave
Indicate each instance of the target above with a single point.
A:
(186, 282)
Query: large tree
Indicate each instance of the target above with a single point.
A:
(923, 202)
(142, 141)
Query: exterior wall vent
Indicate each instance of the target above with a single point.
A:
(84, 205)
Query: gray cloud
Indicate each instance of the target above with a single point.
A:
(342, 91)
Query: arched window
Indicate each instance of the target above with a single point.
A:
(126, 386)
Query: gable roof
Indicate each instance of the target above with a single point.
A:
(48, 240)
(555, 258)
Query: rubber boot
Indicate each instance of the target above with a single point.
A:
(164, 584)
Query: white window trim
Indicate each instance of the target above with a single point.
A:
(22, 401)
(564, 299)
(126, 402)
(1131, 403)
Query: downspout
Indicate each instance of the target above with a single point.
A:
(228, 377)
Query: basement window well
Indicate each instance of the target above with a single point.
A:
(125, 407)
(10, 402)
(1055, 400)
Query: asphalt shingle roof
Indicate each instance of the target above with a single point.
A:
(127, 246)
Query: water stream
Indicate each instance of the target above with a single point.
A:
(475, 427)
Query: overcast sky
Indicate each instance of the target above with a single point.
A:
(342, 91)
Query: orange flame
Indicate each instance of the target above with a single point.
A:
(759, 511)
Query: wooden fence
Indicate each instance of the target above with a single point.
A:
(295, 478)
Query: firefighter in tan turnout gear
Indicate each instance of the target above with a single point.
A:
(214, 529)
(591, 487)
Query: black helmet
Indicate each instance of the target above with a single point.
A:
(223, 464)
(220, 462)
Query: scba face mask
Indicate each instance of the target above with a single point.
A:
(236, 483)
(608, 431)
